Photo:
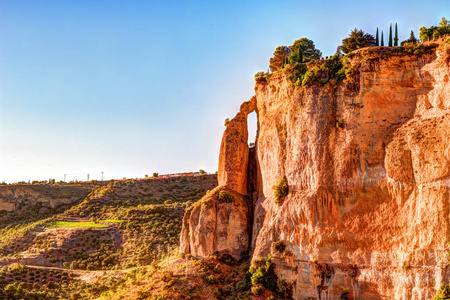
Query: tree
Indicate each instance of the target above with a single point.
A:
(382, 40)
(412, 39)
(444, 27)
(155, 175)
(396, 36)
(279, 59)
(377, 40)
(423, 34)
(390, 35)
(433, 32)
(357, 39)
(303, 50)
(202, 172)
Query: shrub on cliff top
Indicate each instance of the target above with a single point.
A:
(433, 32)
(317, 72)
(281, 189)
(260, 77)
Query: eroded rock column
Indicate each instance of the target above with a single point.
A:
(220, 221)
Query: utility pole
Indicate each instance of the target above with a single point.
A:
(88, 177)
(102, 175)
(65, 177)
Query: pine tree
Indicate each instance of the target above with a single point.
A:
(382, 40)
(396, 36)
(390, 35)
(377, 41)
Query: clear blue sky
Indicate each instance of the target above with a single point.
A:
(136, 87)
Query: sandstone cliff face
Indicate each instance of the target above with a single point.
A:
(368, 169)
(373, 194)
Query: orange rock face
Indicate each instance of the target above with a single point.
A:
(213, 224)
(233, 158)
(368, 198)
(368, 168)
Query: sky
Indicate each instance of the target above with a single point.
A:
(135, 87)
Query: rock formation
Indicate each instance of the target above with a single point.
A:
(368, 169)
(217, 224)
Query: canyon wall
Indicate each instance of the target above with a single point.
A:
(368, 169)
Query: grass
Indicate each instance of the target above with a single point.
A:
(82, 224)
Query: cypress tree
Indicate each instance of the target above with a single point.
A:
(396, 36)
(390, 35)
(382, 40)
(412, 38)
(377, 40)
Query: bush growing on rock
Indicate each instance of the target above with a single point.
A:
(279, 246)
(443, 293)
(225, 197)
(281, 189)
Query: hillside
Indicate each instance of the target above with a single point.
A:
(117, 231)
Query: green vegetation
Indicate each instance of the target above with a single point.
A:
(443, 293)
(225, 197)
(303, 50)
(264, 276)
(357, 39)
(382, 39)
(124, 224)
(390, 35)
(411, 48)
(377, 40)
(412, 39)
(434, 32)
(279, 246)
(281, 190)
(83, 224)
(261, 77)
(396, 36)
(279, 59)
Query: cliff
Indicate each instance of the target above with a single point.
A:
(368, 169)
